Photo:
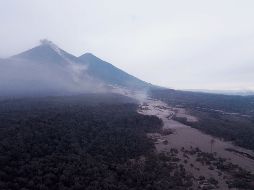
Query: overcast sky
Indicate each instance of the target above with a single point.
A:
(183, 44)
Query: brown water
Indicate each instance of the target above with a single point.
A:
(187, 137)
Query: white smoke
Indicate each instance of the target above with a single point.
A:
(140, 95)
(19, 77)
(77, 69)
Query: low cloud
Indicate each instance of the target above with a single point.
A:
(20, 77)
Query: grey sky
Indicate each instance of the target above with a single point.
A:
(191, 44)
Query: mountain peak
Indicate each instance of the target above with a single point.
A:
(50, 44)
(108, 73)
(45, 42)
(89, 56)
(46, 52)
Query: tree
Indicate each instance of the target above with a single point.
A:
(212, 143)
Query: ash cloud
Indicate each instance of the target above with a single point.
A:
(21, 77)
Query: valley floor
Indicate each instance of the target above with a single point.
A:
(194, 147)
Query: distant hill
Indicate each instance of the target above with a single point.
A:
(200, 100)
(226, 92)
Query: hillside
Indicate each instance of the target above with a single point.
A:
(48, 70)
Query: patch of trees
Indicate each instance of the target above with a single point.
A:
(68, 144)
(236, 177)
(230, 128)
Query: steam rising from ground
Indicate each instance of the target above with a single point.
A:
(21, 77)
(77, 70)
(140, 95)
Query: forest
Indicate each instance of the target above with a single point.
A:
(82, 142)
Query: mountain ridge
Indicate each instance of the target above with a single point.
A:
(51, 66)
(107, 72)
(46, 51)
